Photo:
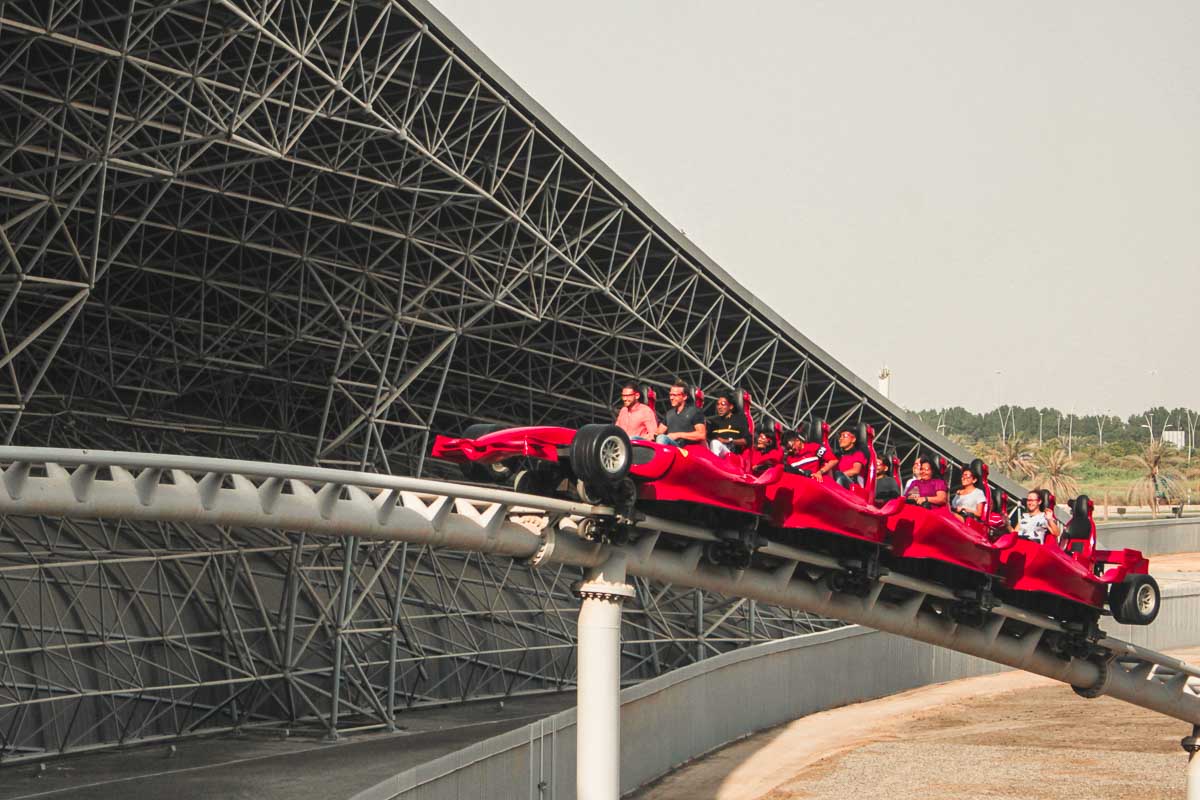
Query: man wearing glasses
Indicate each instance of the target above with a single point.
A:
(635, 417)
(682, 425)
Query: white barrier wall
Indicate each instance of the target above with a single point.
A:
(686, 713)
(1153, 538)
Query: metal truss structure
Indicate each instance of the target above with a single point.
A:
(312, 233)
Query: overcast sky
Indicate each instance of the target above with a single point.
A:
(951, 189)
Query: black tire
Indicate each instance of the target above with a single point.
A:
(541, 482)
(601, 454)
(1136, 600)
(483, 473)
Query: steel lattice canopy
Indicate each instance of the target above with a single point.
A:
(312, 233)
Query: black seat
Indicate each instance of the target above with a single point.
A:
(1079, 535)
(742, 405)
(813, 430)
(887, 487)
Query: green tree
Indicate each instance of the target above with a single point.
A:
(1056, 470)
(1158, 465)
(1012, 457)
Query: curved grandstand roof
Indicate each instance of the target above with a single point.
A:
(312, 233)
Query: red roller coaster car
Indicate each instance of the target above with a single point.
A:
(1074, 580)
(599, 463)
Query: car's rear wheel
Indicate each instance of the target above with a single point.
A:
(1136, 600)
(483, 473)
(601, 455)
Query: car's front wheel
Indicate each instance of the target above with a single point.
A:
(1135, 600)
(601, 455)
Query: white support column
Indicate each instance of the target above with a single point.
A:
(598, 698)
(1191, 744)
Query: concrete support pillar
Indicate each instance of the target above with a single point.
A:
(598, 699)
(1191, 744)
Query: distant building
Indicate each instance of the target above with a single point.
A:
(885, 382)
(1177, 438)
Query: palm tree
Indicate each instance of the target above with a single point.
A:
(1011, 457)
(1158, 467)
(1056, 472)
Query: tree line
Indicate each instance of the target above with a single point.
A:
(1039, 425)
(1146, 459)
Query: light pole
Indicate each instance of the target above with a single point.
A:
(999, 412)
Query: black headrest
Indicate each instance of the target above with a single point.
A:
(976, 467)
(1044, 496)
(863, 437)
(811, 430)
(1080, 525)
(1079, 506)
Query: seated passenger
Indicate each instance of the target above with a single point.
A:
(1036, 522)
(682, 425)
(851, 460)
(886, 487)
(969, 501)
(727, 430)
(927, 490)
(635, 417)
(764, 454)
(806, 457)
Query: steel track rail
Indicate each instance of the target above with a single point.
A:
(106, 484)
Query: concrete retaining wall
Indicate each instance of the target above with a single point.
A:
(1153, 538)
(686, 713)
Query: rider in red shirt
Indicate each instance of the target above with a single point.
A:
(764, 454)
(852, 461)
(808, 457)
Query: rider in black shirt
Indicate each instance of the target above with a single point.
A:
(727, 431)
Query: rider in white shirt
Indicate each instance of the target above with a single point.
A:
(1036, 522)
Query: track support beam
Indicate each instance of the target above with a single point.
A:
(1191, 745)
(598, 704)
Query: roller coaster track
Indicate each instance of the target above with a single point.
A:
(89, 484)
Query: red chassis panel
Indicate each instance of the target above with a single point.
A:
(662, 472)
(801, 502)
(1032, 567)
(694, 475)
(938, 534)
(540, 441)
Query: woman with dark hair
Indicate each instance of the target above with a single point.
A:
(1036, 521)
(969, 501)
(927, 490)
